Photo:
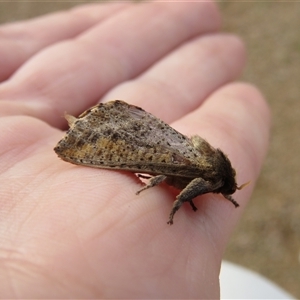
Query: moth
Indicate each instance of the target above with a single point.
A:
(116, 135)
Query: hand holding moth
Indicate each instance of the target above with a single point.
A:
(82, 232)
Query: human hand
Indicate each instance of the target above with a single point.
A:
(72, 231)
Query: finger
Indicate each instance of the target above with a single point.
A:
(235, 119)
(180, 82)
(74, 75)
(19, 41)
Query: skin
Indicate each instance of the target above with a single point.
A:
(71, 231)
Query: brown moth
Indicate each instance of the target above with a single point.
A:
(116, 135)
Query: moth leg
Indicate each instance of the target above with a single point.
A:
(196, 187)
(153, 182)
(193, 205)
(228, 197)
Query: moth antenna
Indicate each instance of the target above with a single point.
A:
(71, 120)
(243, 185)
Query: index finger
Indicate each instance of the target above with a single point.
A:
(21, 40)
(73, 75)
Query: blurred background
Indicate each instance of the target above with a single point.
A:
(267, 239)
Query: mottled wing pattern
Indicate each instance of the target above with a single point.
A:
(122, 136)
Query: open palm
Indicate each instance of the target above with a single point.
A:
(72, 231)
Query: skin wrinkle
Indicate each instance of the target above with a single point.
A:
(169, 266)
(19, 197)
(78, 12)
(115, 65)
(212, 236)
(209, 50)
(203, 266)
(32, 204)
(15, 125)
(104, 229)
(150, 242)
(25, 152)
(132, 54)
(30, 213)
(47, 89)
(104, 277)
(58, 281)
(25, 269)
(208, 218)
(150, 79)
(166, 14)
(11, 287)
(159, 277)
(88, 15)
(224, 64)
(88, 285)
(90, 266)
(113, 222)
(31, 41)
(139, 219)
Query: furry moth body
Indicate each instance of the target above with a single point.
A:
(116, 135)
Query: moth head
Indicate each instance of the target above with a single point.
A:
(229, 177)
(228, 174)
